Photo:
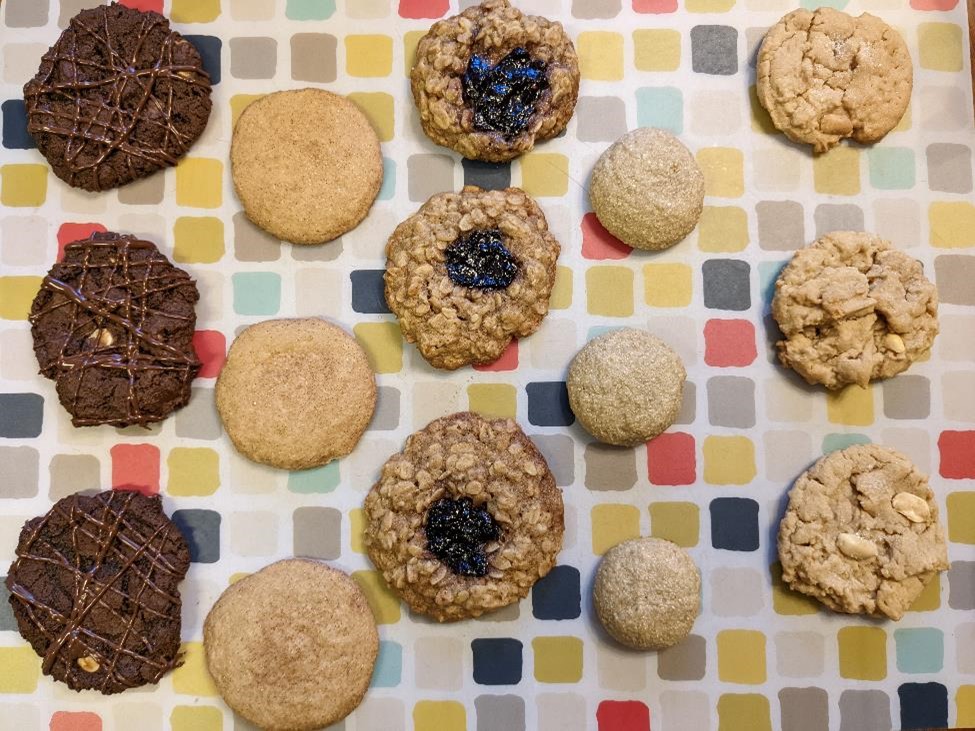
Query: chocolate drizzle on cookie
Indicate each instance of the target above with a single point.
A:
(94, 590)
(479, 259)
(503, 96)
(457, 532)
(113, 325)
(119, 96)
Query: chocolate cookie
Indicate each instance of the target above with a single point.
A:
(113, 326)
(491, 82)
(470, 271)
(465, 519)
(94, 590)
(117, 97)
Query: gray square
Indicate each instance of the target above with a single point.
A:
(325, 252)
(428, 175)
(144, 192)
(313, 57)
(7, 620)
(753, 42)
(955, 276)
(832, 217)
(596, 9)
(864, 710)
(961, 585)
(19, 467)
(252, 243)
(71, 473)
(780, 225)
(686, 661)
(804, 709)
(253, 58)
(387, 409)
(26, 13)
(688, 407)
(727, 285)
(731, 401)
(69, 9)
(199, 419)
(487, 175)
(500, 712)
(736, 592)
(949, 168)
(907, 397)
(714, 49)
(609, 467)
(318, 533)
(600, 118)
(559, 452)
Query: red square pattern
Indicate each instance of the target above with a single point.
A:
(71, 232)
(507, 362)
(729, 343)
(655, 6)
(135, 467)
(623, 716)
(211, 349)
(671, 459)
(957, 454)
(598, 243)
(423, 8)
(75, 721)
(154, 5)
(934, 4)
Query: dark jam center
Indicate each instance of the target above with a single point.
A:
(479, 259)
(457, 532)
(503, 97)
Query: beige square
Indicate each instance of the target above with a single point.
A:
(786, 400)
(252, 9)
(144, 192)
(899, 221)
(799, 654)
(76, 200)
(254, 533)
(553, 345)
(959, 392)
(198, 595)
(620, 669)
(318, 292)
(144, 715)
(954, 342)
(561, 712)
(433, 399)
(439, 663)
(22, 241)
(368, 8)
(715, 113)
(787, 454)
(17, 361)
(210, 310)
(21, 61)
(680, 333)
(915, 443)
(361, 468)
(250, 478)
(685, 710)
(776, 169)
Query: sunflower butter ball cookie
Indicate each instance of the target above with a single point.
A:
(491, 82)
(470, 271)
(465, 519)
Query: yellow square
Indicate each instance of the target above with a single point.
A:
(411, 40)
(609, 291)
(961, 517)
(744, 712)
(192, 677)
(863, 653)
(940, 46)
(722, 229)
(561, 298)
(369, 55)
(196, 718)
(709, 6)
(23, 186)
(194, 11)
(383, 342)
(612, 524)
(952, 224)
(656, 49)
(199, 183)
(852, 406)
(965, 701)
(384, 604)
(545, 174)
(761, 121)
(439, 716)
(600, 55)
(789, 602)
(677, 522)
(357, 530)
(16, 296)
(378, 107)
(193, 471)
(240, 102)
(493, 400)
(905, 123)
(728, 460)
(724, 171)
(741, 656)
(667, 285)
(929, 600)
(557, 659)
(837, 172)
(20, 667)
(198, 240)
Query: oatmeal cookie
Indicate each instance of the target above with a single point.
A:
(491, 82)
(861, 533)
(853, 309)
(470, 271)
(465, 519)
(824, 75)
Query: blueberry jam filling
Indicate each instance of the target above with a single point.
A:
(457, 532)
(479, 259)
(503, 96)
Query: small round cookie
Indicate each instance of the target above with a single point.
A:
(647, 593)
(295, 394)
(853, 309)
(491, 82)
(647, 189)
(292, 647)
(307, 165)
(861, 533)
(824, 75)
(626, 387)
(470, 271)
(465, 519)
(119, 96)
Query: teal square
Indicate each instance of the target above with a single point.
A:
(389, 665)
(315, 481)
(661, 107)
(920, 650)
(257, 293)
(891, 168)
(768, 273)
(310, 9)
(389, 180)
(833, 442)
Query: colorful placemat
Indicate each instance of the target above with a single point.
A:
(760, 657)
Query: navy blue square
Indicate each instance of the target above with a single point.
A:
(548, 404)
(558, 594)
(15, 135)
(726, 284)
(714, 49)
(487, 175)
(201, 529)
(923, 705)
(368, 292)
(734, 524)
(209, 48)
(21, 415)
(497, 661)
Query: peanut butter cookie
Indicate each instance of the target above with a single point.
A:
(861, 533)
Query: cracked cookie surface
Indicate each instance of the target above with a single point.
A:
(861, 533)
(824, 76)
(494, 467)
(853, 309)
